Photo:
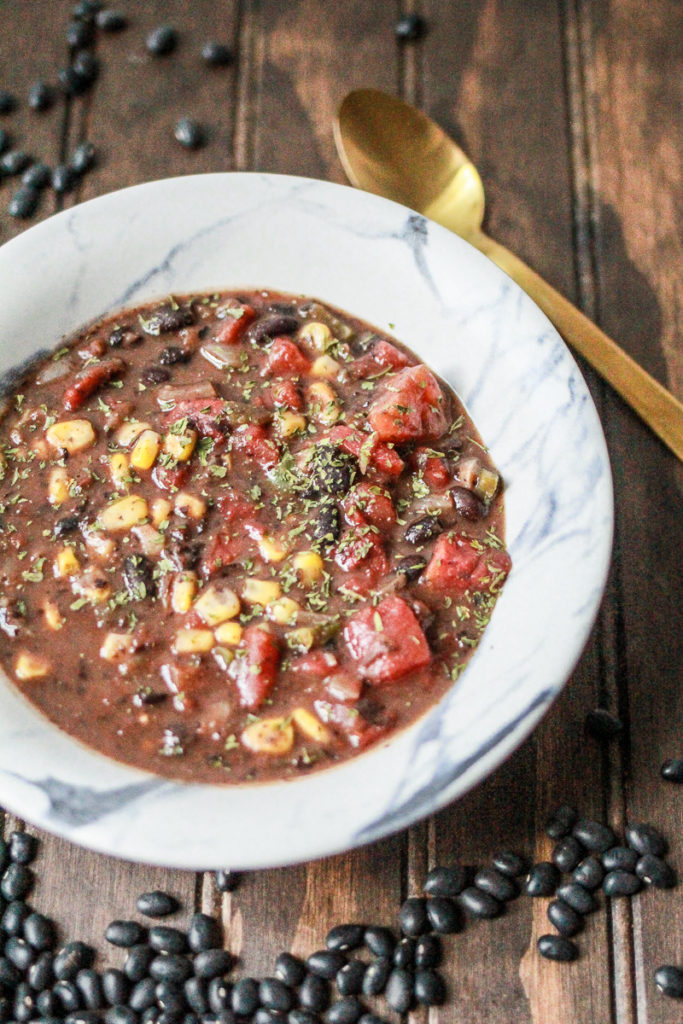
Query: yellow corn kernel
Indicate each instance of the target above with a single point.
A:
(93, 586)
(53, 618)
(130, 432)
(309, 565)
(161, 510)
(30, 666)
(262, 592)
(301, 639)
(216, 604)
(73, 435)
(58, 486)
(116, 646)
(316, 336)
(323, 404)
(325, 367)
(180, 446)
(289, 423)
(182, 594)
(270, 550)
(66, 563)
(119, 469)
(269, 736)
(310, 726)
(283, 611)
(190, 505)
(193, 641)
(123, 514)
(145, 450)
(229, 633)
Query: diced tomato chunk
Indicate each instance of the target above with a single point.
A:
(235, 324)
(90, 380)
(253, 440)
(284, 394)
(387, 641)
(254, 668)
(205, 415)
(383, 356)
(226, 547)
(456, 566)
(170, 478)
(433, 467)
(367, 572)
(285, 359)
(314, 665)
(368, 449)
(234, 506)
(409, 406)
(367, 504)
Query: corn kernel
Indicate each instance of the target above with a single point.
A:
(309, 565)
(183, 591)
(30, 666)
(190, 505)
(124, 513)
(316, 336)
(145, 450)
(73, 435)
(130, 432)
(58, 486)
(216, 604)
(53, 618)
(301, 639)
(193, 641)
(66, 563)
(119, 469)
(269, 736)
(283, 611)
(116, 646)
(323, 404)
(161, 510)
(229, 633)
(270, 550)
(325, 367)
(310, 726)
(180, 446)
(289, 423)
(262, 592)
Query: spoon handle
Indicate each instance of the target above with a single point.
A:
(656, 406)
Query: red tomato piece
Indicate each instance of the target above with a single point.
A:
(434, 469)
(253, 440)
(170, 478)
(285, 359)
(234, 506)
(456, 566)
(284, 394)
(235, 324)
(367, 572)
(387, 641)
(226, 547)
(254, 668)
(383, 356)
(409, 406)
(90, 380)
(206, 415)
(367, 504)
(368, 449)
(314, 665)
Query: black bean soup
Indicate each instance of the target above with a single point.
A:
(243, 536)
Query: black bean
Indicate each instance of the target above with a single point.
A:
(39, 931)
(568, 854)
(67, 994)
(9, 974)
(79, 34)
(345, 936)
(172, 967)
(157, 904)
(137, 962)
(189, 133)
(404, 954)
(619, 857)
(19, 952)
(578, 898)
(4, 143)
(13, 917)
(24, 1003)
(162, 40)
(84, 1016)
(326, 524)
(467, 504)
(24, 202)
(314, 993)
(413, 918)
(47, 1005)
(115, 986)
(22, 847)
(567, 920)
(593, 835)
(89, 984)
(349, 980)
(17, 881)
(154, 375)
(219, 994)
(429, 988)
(621, 883)
(325, 963)
(669, 981)
(41, 96)
(560, 822)
(399, 990)
(379, 941)
(83, 158)
(510, 863)
(556, 947)
(299, 1016)
(197, 995)
(40, 974)
(86, 9)
(290, 969)
(346, 1010)
(273, 326)
(645, 839)
(445, 916)
(410, 27)
(5, 1009)
(111, 21)
(8, 102)
(37, 175)
(672, 769)
(71, 958)
(422, 530)
(172, 354)
(212, 962)
(162, 938)
(265, 1015)
(71, 82)
(217, 54)
(125, 933)
(428, 951)
(275, 995)
(589, 873)
(655, 871)
(121, 1015)
(330, 471)
(204, 933)
(14, 161)
(63, 179)
(371, 1018)
(171, 998)
(411, 566)
(496, 884)
(445, 881)
(478, 903)
(245, 997)
(376, 976)
(602, 724)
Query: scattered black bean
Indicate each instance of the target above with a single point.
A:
(264, 1015)
(111, 21)
(80, 34)
(413, 918)
(8, 102)
(565, 918)
(72, 958)
(171, 998)
(445, 881)
(422, 530)
(244, 998)
(376, 976)
(619, 857)
(138, 961)
(197, 997)
(218, 993)
(143, 995)
(645, 839)
(467, 504)
(429, 988)
(672, 769)
(399, 990)
(121, 1015)
(162, 40)
(86, 9)
(154, 375)
(40, 975)
(444, 915)
(655, 871)
(560, 822)
(212, 962)
(163, 938)
(125, 933)
(14, 161)
(478, 903)
(83, 158)
(621, 883)
(46, 1003)
(275, 995)
(411, 566)
(589, 873)
(63, 179)
(314, 993)
(17, 881)
(496, 884)
(404, 954)
(349, 979)
(669, 981)
(345, 936)
(41, 96)
(190, 133)
(24, 202)
(71, 82)
(428, 951)
(568, 854)
(4, 140)
(9, 975)
(556, 947)
(579, 899)
(24, 1003)
(325, 963)
(68, 995)
(171, 967)
(410, 27)
(510, 863)
(290, 969)
(272, 326)
(346, 1010)
(14, 916)
(173, 354)
(299, 1016)
(19, 953)
(602, 724)
(37, 175)
(89, 984)
(157, 903)
(593, 835)
(217, 54)
(115, 986)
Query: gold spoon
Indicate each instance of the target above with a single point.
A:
(392, 149)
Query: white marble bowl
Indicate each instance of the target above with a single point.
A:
(469, 322)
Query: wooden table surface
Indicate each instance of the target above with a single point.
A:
(571, 110)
